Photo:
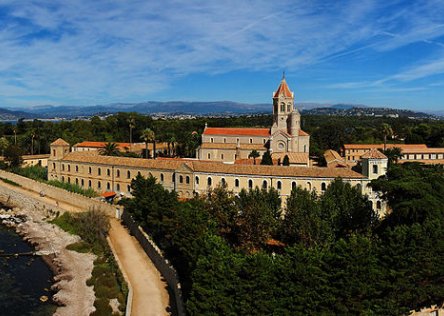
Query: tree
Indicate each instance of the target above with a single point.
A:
(254, 154)
(148, 136)
(13, 156)
(4, 143)
(110, 149)
(266, 159)
(386, 131)
(393, 155)
(286, 161)
(131, 125)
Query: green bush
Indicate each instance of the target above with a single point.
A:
(37, 173)
(73, 188)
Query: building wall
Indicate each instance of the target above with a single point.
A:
(221, 139)
(225, 155)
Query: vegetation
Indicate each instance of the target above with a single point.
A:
(10, 182)
(108, 282)
(286, 161)
(254, 154)
(328, 254)
(72, 188)
(37, 173)
(266, 159)
(110, 149)
(13, 156)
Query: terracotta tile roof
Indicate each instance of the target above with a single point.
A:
(331, 155)
(302, 133)
(283, 89)
(233, 146)
(42, 156)
(374, 154)
(295, 158)
(265, 132)
(381, 146)
(59, 142)
(95, 158)
(428, 150)
(284, 171)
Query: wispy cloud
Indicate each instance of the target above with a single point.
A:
(97, 51)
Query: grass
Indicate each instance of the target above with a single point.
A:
(10, 182)
(106, 277)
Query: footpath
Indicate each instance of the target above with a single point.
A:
(149, 291)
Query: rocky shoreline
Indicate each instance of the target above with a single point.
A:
(71, 269)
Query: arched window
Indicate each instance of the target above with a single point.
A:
(53, 165)
(212, 140)
(77, 181)
(99, 185)
(251, 140)
(161, 177)
(89, 183)
(63, 179)
(69, 180)
(138, 173)
(250, 184)
(108, 186)
(63, 167)
(89, 170)
(223, 182)
(128, 174)
(82, 182)
(128, 188)
(289, 107)
(279, 185)
(282, 107)
(180, 179)
(222, 156)
(293, 185)
(209, 156)
(77, 168)
(209, 181)
(225, 140)
(118, 173)
(108, 172)
(236, 183)
(323, 186)
(309, 186)
(69, 167)
(99, 171)
(117, 187)
(187, 180)
(197, 180)
(264, 184)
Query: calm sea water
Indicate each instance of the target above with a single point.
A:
(23, 280)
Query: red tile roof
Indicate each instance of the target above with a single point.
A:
(59, 142)
(283, 89)
(100, 144)
(302, 133)
(374, 154)
(381, 146)
(265, 132)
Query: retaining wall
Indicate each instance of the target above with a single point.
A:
(155, 254)
(60, 194)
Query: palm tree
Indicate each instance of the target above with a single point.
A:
(132, 124)
(254, 154)
(386, 131)
(393, 155)
(110, 149)
(33, 134)
(148, 136)
(15, 135)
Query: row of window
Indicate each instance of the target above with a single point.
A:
(264, 140)
(81, 183)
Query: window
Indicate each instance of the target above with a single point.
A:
(209, 156)
(212, 140)
(99, 171)
(225, 140)
(128, 188)
(63, 179)
(180, 179)
(77, 181)
(117, 187)
(82, 182)
(69, 167)
(161, 177)
(118, 173)
(69, 180)
(305, 148)
(323, 186)
(251, 140)
(89, 170)
(108, 172)
(209, 181)
(77, 168)
(173, 178)
(223, 182)
(187, 180)
(53, 152)
(236, 183)
(293, 185)
(250, 184)
(264, 140)
(279, 185)
(289, 107)
(89, 183)
(222, 156)
(63, 167)
(99, 185)
(282, 107)
(128, 175)
(53, 165)
(264, 184)
(197, 180)
(108, 186)
(309, 186)
(375, 169)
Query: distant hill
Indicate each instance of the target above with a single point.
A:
(197, 108)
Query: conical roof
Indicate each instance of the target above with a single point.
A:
(283, 90)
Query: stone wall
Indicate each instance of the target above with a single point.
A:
(60, 194)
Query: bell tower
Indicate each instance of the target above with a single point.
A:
(283, 106)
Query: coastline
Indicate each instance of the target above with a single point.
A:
(71, 269)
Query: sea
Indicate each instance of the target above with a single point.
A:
(25, 281)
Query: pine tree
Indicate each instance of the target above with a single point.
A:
(266, 159)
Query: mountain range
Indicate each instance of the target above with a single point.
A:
(192, 108)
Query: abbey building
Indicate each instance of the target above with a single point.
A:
(284, 137)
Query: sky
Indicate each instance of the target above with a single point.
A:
(73, 52)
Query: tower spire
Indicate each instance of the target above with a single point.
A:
(283, 75)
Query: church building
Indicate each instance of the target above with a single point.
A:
(285, 137)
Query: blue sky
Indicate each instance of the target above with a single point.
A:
(382, 53)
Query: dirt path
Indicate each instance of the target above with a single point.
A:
(150, 295)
